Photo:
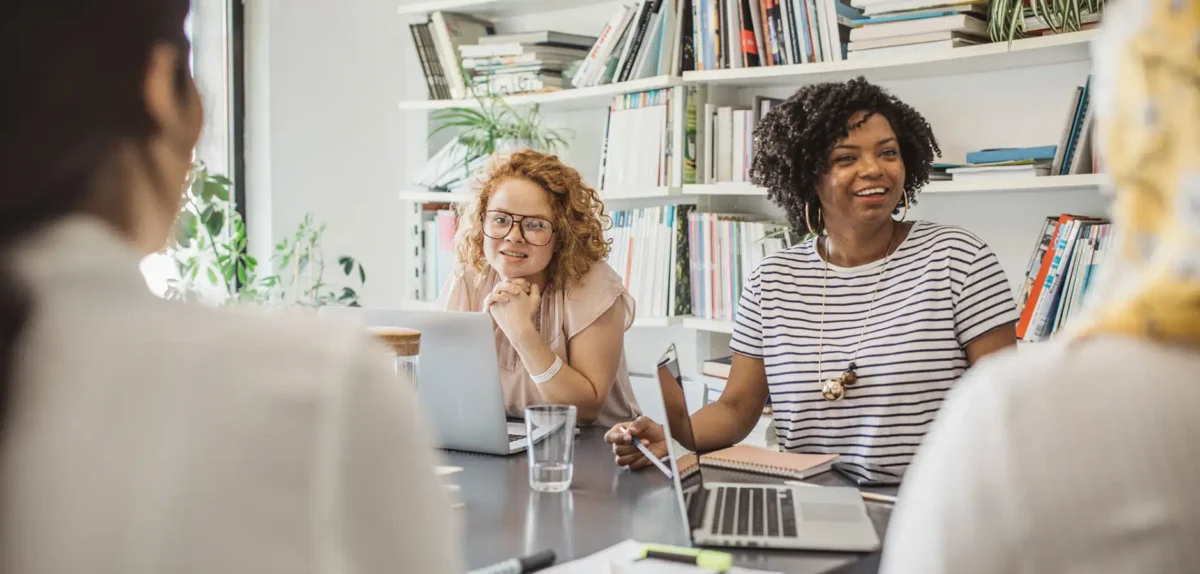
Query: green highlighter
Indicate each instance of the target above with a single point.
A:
(706, 559)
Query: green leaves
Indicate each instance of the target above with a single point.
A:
(209, 243)
(494, 121)
(185, 229)
(349, 265)
(214, 220)
(1006, 18)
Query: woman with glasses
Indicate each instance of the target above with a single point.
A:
(531, 252)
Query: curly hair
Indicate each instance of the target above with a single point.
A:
(794, 140)
(579, 218)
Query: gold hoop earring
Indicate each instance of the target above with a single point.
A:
(808, 221)
(904, 215)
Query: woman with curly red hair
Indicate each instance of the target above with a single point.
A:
(531, 252)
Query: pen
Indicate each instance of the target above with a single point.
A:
(531, 563)
(649, 455)
(865, 495)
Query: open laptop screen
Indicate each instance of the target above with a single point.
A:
(679, 426)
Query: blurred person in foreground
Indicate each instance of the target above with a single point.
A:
(1080, 455)
(144, 436)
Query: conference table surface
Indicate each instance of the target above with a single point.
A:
(503, 518)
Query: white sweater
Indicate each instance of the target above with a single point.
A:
(148, 436)
(1059, 459)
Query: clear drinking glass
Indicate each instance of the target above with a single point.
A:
(551, 432)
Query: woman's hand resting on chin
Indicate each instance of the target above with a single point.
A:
(643, 429)
(513, 304)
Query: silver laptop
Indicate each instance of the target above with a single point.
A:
(723, 514)
(459, 377)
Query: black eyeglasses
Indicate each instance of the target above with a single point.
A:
(534, 230)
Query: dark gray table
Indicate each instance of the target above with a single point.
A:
(606, 504)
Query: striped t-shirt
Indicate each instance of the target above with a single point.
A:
(942, 288)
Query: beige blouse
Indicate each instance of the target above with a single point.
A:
(563, 315)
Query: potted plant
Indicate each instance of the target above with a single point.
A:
(1006, 18)
(493, 127)
(208, 247)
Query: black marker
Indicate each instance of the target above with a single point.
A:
(524, 565)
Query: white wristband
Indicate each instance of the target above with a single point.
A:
(549, 374)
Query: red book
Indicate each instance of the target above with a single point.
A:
(750, 56)
(1040, 280)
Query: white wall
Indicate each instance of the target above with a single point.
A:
(324, 133)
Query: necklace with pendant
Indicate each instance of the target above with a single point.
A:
(835, 389)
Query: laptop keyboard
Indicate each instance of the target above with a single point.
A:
(754, 511)
(515, 437)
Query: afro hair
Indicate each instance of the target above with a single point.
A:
(794, 140)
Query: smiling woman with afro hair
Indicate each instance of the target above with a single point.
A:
(796, 138)
(857, 334)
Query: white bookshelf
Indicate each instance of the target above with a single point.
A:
(422, 196)
(597, 97)
(1018, 88)
(492, 8)
(1028, 52)
(708, 325)
(643, 322)
(1081, 182)
(425, 196)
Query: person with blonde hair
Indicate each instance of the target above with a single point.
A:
(1080, 455)
(531, 252)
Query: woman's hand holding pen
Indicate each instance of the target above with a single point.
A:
(647, 432)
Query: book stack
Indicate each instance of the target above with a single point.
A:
(451, 169)
(1005, 163)
(751, 33)
(724, 249)
(1076, 152)
(891, 27)
(641, 40)
(522, 63)
(650, 253)
(718, 367)
(1062, 268)
(437, 42)
(941, 171)
(638, 143)
(729, 139)
(433, 255)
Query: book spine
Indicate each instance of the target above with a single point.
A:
(750, 51)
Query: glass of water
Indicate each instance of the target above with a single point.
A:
(551, 434)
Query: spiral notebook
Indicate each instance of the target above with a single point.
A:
(748, 458)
